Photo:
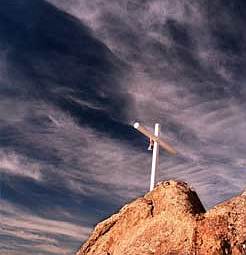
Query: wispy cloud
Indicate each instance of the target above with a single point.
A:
(65, 139)
(19, 165)
(42, 234)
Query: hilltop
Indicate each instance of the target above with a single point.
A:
(171, 220)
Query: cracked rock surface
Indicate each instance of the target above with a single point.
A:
(171, 220)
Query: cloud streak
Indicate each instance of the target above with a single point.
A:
(37, 232)
(18, 165)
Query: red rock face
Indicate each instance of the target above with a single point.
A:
(171, 220)
(223, 229)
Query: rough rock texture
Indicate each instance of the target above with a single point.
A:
(171, 220)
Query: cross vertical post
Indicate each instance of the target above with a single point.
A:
(155, 157)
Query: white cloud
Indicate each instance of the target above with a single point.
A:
(54, 249)
(40, 233)
(15, 164)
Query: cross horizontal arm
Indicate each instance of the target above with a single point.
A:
(149, 134)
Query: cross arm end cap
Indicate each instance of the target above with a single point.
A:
(136, 125)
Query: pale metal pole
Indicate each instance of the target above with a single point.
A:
(155, 157)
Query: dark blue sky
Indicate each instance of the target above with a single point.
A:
(75, 74)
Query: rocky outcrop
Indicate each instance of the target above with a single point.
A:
(171, 220)
(223, 229)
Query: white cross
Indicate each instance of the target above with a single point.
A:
(155, 141)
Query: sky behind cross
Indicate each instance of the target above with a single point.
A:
(75, 73)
